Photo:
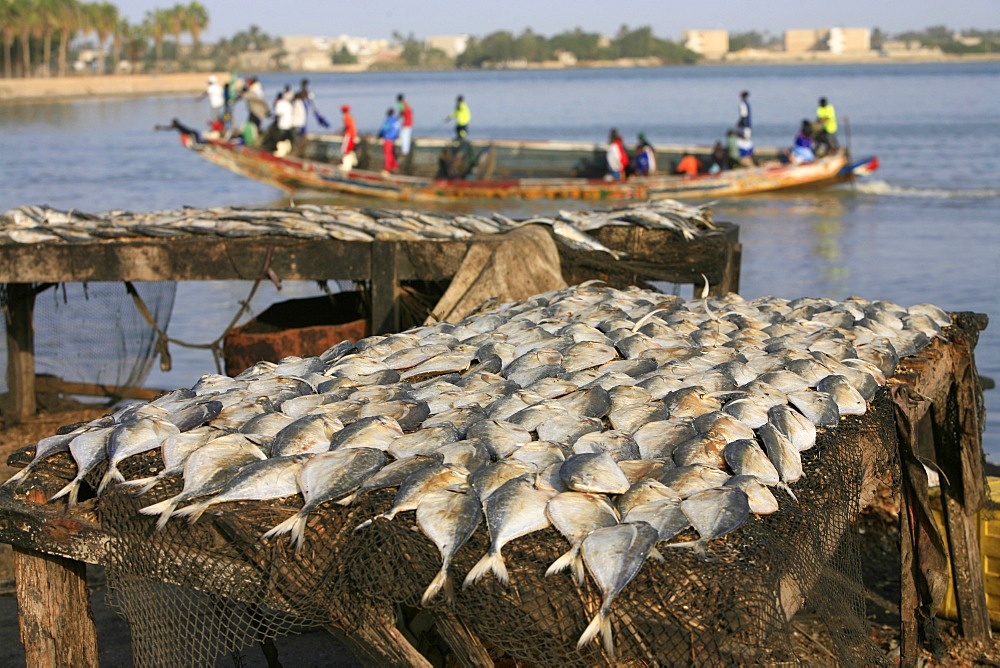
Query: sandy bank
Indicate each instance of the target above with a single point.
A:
(59, 89)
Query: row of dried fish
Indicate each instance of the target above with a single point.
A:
(623, 419)
(39, 224)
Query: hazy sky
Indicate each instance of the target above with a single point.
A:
(423, 18)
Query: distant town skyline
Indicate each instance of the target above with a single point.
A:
(423, 18)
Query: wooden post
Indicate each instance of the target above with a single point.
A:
(959, 453)
(384, 288)
(908, 598)
(53, 601)
(731, 265)
(19, 310)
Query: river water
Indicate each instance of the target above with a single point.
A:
(924, 228)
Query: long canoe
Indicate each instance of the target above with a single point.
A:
(437, 169)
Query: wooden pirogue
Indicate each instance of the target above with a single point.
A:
(509, 169)
(941, 376)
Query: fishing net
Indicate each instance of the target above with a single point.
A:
(92, 333)
(194, 592)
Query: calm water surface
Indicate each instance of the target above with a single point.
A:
(924, 228)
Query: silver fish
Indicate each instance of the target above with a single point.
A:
(271, 478)
(419, 483)
(659, 438)
(849, 401)
(574, 515)
(449, 519)
(369, 432)
(796, 427)
(688, 480)
(664, 515)
(206, 470)
(516, 509)
(594, 472)
(393, 474)
(308, 434)
(819, 407)
(782, 453)
(174, 452)
(501, 437)
(759, 497)
(326, 476)
(132, 438)
(617, 444)
(423, 441)
(47, 447)
(613, 556)
(716, 512)
(491, 477)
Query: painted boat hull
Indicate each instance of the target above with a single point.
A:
(292, 174)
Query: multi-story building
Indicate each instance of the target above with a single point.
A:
(709, 43)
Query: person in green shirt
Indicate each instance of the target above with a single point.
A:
(826, 120)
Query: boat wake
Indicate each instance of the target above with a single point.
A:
(878, 187)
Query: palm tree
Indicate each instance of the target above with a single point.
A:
(68, 21)
(47, 19)
(9, 14)
(197, 21)
(132, 39)
(177, 20)
(28, 20)
(104, 19)
(155, 24)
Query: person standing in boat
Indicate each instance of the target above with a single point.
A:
(826, 120)
(744, 111)
(406, 129)
(745, 147)
(216, 100)
(257, 107)
(350, 133)
(616, 156)
(462, 115)
(388, 134)
(645, 157)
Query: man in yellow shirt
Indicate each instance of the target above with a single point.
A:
(461, 115)
(826, 119)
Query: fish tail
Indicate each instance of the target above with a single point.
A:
(366, 523)
(491, 561)
(112, 474)
(16, 479)
(656, 554)
(440, 581)
(71, 489)
(348, 500)
(592, 630)
(563, 562)
(784, 486)
(164, 509)
(579, 573)
(192, 512)
(287, 526)
(141, 485)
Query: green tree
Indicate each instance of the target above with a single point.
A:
(177, 21)
(69, 19)
(196, 23)
(9, 15)
(583, 45)
(156, 25)
(343, 57)
(102, 19)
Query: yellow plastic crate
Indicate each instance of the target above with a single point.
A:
(989, 551)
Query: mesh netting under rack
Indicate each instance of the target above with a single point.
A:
(193, 592)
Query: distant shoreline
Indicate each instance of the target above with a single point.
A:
(62, 89)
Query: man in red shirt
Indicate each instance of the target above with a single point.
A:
(350, 132)
(406, 130)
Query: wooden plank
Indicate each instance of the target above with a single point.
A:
(384, 288)
(186, 259)
(58, 385)
(19, 309)
(56, 622)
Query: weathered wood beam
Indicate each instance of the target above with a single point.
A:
(19, 309)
